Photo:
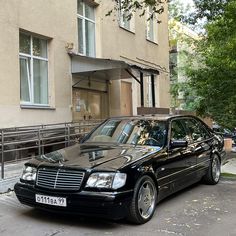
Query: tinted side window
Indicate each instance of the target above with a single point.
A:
(196, 130)
(177, 131)
(204, 129)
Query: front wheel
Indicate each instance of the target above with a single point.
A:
(213, 174)
(144, 201)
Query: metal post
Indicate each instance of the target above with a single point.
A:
(153, 90)
(68, 134)
(39, 142)
(2, 172)
(141, 89)
(65, 135)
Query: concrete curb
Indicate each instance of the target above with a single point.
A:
(230, 166)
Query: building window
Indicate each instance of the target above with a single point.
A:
(33, 70)
(151, 26)
(86, 29)
(125, 20)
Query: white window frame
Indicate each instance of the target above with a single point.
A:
(84, 19)
(30, 72)
(131, 27)
(151, 17)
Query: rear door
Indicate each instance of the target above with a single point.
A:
(202, 143)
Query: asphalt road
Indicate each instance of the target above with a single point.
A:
(199, 210)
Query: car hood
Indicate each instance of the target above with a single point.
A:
(95, 156)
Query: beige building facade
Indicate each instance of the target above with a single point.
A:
(65, 60)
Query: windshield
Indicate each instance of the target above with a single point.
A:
(137, 132)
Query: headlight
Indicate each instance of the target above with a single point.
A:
(106, 180)
(29, 173)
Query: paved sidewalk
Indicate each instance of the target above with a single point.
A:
(12, 174)
(230, 166)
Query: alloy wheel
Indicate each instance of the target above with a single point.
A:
(216, 169)
(146, 199)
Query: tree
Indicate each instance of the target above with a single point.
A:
(215, 80)
(182, 50)
(209, 10)
(181, 37)
(132, 6)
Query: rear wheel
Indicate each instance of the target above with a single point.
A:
(213, 174)
(144, 201)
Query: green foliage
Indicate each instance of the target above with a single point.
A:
(215, 80)
(209, 10)
(183, 96)
(132, 6)
(177, 11)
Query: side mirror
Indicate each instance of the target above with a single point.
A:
(178, 144)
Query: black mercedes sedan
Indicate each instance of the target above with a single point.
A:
(124, 167)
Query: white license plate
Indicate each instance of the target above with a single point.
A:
(54, 201)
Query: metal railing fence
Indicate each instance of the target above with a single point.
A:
(21, 143)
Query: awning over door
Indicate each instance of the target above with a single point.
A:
(106, 68)
(109, 69)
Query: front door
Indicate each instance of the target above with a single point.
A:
(89, 105)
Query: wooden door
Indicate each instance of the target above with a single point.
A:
(89, 105)
(94, 105)
(126, 99)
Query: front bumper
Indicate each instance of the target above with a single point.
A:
(112, 205)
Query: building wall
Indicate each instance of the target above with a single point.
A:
(55, 20)
(58, 22)
(133, 48)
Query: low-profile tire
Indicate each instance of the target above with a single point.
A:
(143, 202)
(212, 176)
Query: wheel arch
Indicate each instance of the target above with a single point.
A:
(153, 177)
(215, 152)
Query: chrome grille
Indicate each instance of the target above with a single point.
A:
(61, 179)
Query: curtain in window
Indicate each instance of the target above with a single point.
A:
(90, 38)
(25, 79)
(80, 36)
(40, 82)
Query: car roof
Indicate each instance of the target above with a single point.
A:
(161, 117)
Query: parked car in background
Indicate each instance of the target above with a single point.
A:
(227, 133)
(124, 167)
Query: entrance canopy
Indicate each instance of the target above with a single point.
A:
(107, 69)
